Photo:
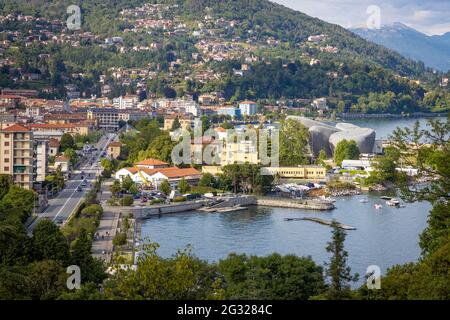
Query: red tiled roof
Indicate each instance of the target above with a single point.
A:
(115, 144)
(16, 128)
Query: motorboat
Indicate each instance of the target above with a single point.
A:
(393, 203)
(363, 200)
(377, 206)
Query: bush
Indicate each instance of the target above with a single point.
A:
(127, 201)
(179, 199)
(156, 201)
(94, 210)
(120, 239)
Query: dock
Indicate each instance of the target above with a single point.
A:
(322, 221)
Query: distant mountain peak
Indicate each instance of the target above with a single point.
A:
(434, 51)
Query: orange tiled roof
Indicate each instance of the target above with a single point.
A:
(151, 162)
(16, 128)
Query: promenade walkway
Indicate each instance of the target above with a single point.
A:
(102, 245)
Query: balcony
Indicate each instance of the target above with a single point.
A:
(21, 169)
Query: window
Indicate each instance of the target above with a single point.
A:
(6, 160)
(7, 144)
(6, 152)
(6, 169)
(6, 135)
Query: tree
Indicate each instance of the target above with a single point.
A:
(322, 157)
(337, 269)
(115, 188)
(346, 150)
(294, 139)
(127, 183)
(207, 180)
(183, 186)
(72, 155)
(127, 201)
(67, 141)
(385, 166)
(176, 124)
(272, 277)
(181, 277)
(165, 187)
(48, 242)
(5, 183)
(160, 148)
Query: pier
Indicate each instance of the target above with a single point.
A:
(321, 221)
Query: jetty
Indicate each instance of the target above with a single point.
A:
(321, 221)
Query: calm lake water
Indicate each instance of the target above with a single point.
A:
(383, 237)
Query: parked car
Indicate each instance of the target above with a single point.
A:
(79, 189)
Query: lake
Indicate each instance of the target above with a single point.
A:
(383, 237)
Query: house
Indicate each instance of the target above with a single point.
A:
(53, 147)
(114, 150)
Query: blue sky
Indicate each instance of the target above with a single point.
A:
(428, 16)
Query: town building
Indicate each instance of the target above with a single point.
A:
(40, 160)
(248, 108)
(114, 149)
(126, 102)
(16, 154)
(185, 122)
(157, 175)
(106, 118)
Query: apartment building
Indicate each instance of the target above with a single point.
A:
(106, 118)
(248, 108)
(17, 154)
(126, 102)
(40, 160)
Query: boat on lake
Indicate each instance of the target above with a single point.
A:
(393, 203)
(377, 206)
(363, 200)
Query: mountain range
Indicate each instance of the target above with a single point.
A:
(434, 50)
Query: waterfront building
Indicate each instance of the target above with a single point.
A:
(157, 175)
(307, 172)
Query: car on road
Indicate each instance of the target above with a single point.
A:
(84, 183)
(79, 189)
(59, 220)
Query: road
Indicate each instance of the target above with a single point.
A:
(61, 207)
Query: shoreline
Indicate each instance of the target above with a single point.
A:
(349, 116)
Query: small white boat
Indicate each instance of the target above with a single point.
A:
(393, 203)
(377, 206)
(363, 200)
